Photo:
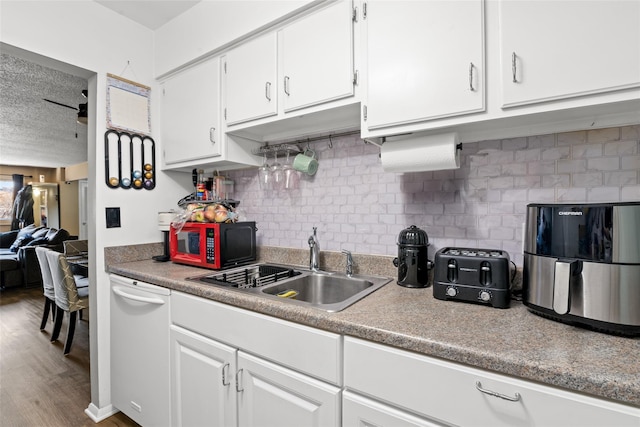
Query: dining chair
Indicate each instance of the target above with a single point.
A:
(47, 286)
(75, 247)
(68, 296)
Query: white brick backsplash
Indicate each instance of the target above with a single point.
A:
(586, 151)
(571, 194)
(541, 141)
(501, 233)
(572, 166)
(620, 179)
(571, 138)
(603, 194)
(603, 135)
(604, 164)
(359, 207)
(501, 182)
(527, 181)
(541, 168)
(556, 153)
(591, 179)
(630, 193)
(514, 144)
(528, 155)
(621, 148)
(556, 180)
(631, 163)
(513, 169)
(630, 133)
(541, 195)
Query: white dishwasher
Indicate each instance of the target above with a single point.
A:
(140, 381)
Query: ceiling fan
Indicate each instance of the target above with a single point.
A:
(82, 108)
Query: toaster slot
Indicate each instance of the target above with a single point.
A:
(452, 270)
(485, 273)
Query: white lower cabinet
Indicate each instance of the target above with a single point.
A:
(359, 411)
(234, 367)
(202, 372)
(271, 395)
(455, 394)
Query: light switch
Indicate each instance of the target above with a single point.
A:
(113, 217)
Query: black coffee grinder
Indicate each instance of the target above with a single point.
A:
(413, 260)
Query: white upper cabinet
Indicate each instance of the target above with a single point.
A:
(425, 61)
(297, 78)
(251, 80)
(554, 50)
(317, 57)
(191, 114)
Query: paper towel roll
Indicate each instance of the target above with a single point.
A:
(421, 153)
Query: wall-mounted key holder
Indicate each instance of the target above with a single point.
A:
(129, 160)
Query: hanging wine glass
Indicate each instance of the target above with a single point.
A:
(277, 174)
(264, 174)
(290, 175)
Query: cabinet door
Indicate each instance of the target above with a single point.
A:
(425, 60)
(191, 113)
(358, 411)
(317, 57)
(561, 49)
(202, 380)
(250, 80)
(270, 395)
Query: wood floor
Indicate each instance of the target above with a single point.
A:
(39, 386)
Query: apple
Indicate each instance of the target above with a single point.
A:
(198, 216)
(210, 213)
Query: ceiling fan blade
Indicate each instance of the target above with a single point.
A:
(60, 104)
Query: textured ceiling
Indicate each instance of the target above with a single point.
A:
(34, 132)
(37, 133)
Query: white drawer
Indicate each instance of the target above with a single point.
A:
(312, 351)
(447, 392)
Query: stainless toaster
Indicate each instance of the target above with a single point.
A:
(582, 264)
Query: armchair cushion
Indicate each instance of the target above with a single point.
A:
(7, 238)
(56, 237)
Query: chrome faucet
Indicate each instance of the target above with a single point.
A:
(349, 263)
(314, 254)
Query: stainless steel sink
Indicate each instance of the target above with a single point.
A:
(327, 291)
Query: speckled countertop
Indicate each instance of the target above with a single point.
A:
(511, 341)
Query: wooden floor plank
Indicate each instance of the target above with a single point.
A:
(39, 386)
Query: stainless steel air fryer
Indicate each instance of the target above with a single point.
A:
(582, 265)
(412, 261)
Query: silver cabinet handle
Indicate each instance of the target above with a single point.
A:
(471, 88)
(495, 394)
(286, 85)
(239, 387)
(212, 135)
(267, 91)
(514, 68)
(225, 370)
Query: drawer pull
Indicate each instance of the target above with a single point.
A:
(495, 394)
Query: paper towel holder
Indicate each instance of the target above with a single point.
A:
(383, 140)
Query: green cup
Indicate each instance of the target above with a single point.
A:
(306, 162)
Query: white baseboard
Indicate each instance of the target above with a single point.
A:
(99, 414)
